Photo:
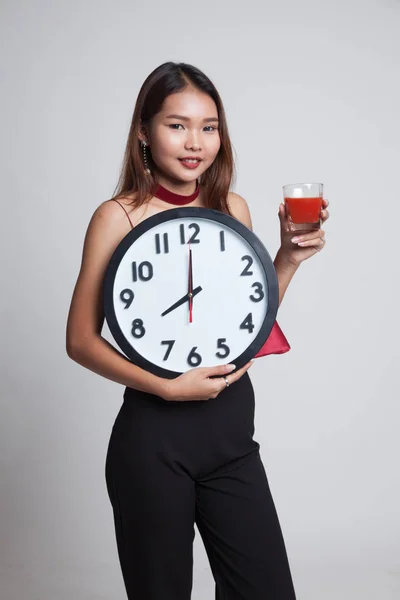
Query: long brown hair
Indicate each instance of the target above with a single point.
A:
(170, 78)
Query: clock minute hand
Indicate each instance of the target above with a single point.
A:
(182, 300)
(190, 291)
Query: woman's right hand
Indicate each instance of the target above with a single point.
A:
(196, 384)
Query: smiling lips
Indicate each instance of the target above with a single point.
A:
(190, 163)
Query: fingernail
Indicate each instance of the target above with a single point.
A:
(295, 240)
(231, 367)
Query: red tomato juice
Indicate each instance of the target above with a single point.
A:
(304, 210)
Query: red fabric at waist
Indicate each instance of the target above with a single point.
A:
(275, 344)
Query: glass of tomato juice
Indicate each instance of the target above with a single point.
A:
(303, 205)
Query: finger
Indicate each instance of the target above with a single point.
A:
(324, 215)
(314, 235)
(316, 243)
(283, 218)
(218, 370)
(238, 374)
(230, 379)
(282, 212)
(221, 383)
(325, 202)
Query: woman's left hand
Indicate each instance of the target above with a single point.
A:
(299, 246)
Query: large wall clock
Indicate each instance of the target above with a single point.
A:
(190, 287)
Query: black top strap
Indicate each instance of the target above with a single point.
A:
(124, 209)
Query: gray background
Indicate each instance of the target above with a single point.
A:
(312, 92)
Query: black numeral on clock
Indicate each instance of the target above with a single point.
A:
(144, 271)
(194, 359)
(246, 270)
(259, 292)
(248, 323)
(165, 243)
(222, 346)
(222, 240)
(193, 239)
(138, 330)
(168, 343)
(127, 297)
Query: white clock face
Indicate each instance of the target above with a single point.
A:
(152, 310)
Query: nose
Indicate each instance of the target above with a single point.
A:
(192, 142)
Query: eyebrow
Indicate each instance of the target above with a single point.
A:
(187, 118)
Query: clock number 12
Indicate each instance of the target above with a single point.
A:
(193, 239)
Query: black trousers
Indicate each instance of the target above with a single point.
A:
(170, 465)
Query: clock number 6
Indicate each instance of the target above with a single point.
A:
(259, 291)
(224, 347)
(138, 330)
(194, 359)
(127, 297)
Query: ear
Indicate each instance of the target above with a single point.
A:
(143, 136)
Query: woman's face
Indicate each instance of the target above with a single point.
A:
(186, 126)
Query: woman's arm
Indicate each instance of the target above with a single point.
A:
(84, 343)
(285, 269)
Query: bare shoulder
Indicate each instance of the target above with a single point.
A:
(111, 214)
(113, 218)
(239, 208)
(107, 228)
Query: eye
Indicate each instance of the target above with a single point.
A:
(174, 125)
(211, 127)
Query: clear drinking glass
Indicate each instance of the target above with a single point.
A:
(303, 202)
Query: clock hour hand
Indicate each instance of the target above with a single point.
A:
(182, 300)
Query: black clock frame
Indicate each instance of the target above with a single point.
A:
(179, 213)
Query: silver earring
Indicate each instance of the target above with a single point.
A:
(146, 166)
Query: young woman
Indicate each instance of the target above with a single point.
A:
(173, 462)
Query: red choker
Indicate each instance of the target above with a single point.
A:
(173, 198)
